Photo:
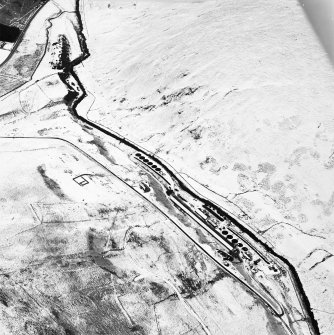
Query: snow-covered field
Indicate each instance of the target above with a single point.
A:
(237, 97)
(240, 97)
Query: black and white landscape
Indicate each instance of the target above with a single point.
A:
(166, 167)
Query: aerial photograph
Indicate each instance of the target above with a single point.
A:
(166, 167)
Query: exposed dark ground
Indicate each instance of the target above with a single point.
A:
(8, 33)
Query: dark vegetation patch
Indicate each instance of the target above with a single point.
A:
(63, 322)
(178, 94)
(190, 286)
(43, 131)
(60, 54)
(196, 133)
(51, 184)
(10, 115)
(158, 290)
(137, 329)
(145, 187)
(97, 240)
(70, 332)
(208, 160)
(105, 211)
(55, 313)
(4, 299)
(90, 239)
(107, 265)
(184, 74)
(102, 149)
(135, 238)
(8, 33)
(143, 108)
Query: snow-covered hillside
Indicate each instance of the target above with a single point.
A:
(237, 95)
